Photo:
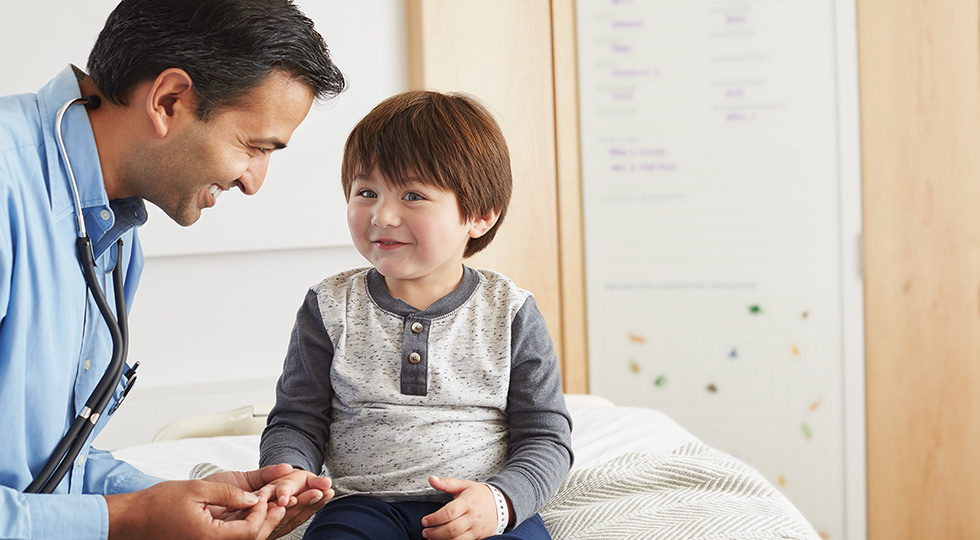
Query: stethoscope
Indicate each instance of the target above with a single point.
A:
(78, 433)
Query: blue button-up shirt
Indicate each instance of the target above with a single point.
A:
(54, 344)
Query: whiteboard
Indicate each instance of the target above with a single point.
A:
(721, 199)
(301, 204)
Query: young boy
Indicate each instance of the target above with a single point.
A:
(429, 391)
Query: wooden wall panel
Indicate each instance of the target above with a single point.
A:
(570, 218)
(501, 52)
(920, 118)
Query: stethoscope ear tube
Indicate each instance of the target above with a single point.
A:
(74, 440)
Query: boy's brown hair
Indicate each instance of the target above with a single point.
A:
(447, 140)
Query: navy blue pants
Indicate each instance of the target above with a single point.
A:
(364, 518)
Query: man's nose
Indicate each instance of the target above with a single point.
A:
(254, 176)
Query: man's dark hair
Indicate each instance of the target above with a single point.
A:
(228, 47)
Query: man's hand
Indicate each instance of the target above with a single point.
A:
(471, 515)
(191, 509)
(301, 493)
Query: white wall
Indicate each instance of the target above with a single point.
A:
(212, 318)
(211, 332)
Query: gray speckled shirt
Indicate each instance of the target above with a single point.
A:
(383, 395)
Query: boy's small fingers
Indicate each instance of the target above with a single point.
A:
(322, 483)
(309, 497)
(273, 472)
(445, 531)
(441, 516)
(285, 490)
(433, 519)
(266, 492)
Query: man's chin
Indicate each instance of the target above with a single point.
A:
(185, 218)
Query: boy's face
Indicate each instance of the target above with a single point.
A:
(413, 235)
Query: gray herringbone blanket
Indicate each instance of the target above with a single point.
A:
(694, 492)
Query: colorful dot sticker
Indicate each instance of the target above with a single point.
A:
(782, 480)
(712, 388)
(805, 428)
(796, 350)
(638, 339)
(660, 381)
(634, 367)
(755, 309)
(734, 353)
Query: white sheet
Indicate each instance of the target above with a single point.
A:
(598, 435)
(686, 488)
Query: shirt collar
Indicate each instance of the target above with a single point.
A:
(443, 306)
(84, 155)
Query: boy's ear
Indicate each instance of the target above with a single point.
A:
(482, 224)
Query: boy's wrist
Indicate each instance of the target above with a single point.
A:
(501, 509)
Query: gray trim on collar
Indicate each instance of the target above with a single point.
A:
(441, 307)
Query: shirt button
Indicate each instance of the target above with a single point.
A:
(88, 364)
(417, 328)
(105, 214)
(414, 358)
(81, 461)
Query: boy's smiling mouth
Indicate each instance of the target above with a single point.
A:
(384, 243)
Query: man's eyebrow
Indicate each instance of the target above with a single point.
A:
(271, 141)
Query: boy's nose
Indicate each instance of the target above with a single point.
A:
(384, 216)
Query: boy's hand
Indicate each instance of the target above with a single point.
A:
(471, 515)
(301, 493)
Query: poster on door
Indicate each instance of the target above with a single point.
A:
(720, 232)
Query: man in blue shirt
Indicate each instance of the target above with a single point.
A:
(195, 95)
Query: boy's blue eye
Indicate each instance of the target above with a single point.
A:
(367, 193)
(413, 197)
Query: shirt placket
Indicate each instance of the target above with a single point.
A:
(415, 356)
(96, 341)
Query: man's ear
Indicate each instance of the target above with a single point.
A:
(170, 96)
(482, 224)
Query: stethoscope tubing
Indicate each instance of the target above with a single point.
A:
(76, 199)
(75, 438)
